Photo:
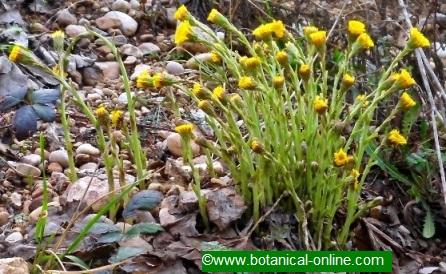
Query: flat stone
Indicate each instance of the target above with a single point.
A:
(89, 167)
(149, 48)
(27, 170)
(15, 265)
(109, 69)
(31, 159)
(113, 19)
(173, 143)
(121, 5)
(59, 156)
(65, 18)
(14, 237)
(88, 149)
(74, 30)
(174, 68)
(131, 50)
(54, 167)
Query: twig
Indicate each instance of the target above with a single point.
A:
(422, 67)
(337, 18)
(93, 270)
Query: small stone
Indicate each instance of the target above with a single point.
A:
(113, 19)
(88, 149)
(15, 265)
(131, 50)
(135, 4)
(89, 167)
(130, 60)
(91, 76)
(170, 14)
(14, 237)
(74, 30)
(35, 214)
(46, 154)
(65, 18)
(149, 48)
(174, 68)
(124, 227)
(138, 69)
(110, 69)
(26, 170)
(31, 159)
(188, 201)
(122, 98)
(121, 5)
(16, 199)
(81, 159)
(194, 61)
(4, 217)
(173, 142)
(59, 156)
(54, 167)
(93, 97)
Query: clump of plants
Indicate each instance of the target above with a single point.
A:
(282, 121)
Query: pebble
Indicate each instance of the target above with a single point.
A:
(93, 97)
(170, 14)
(14, 237)
(65, 18)
(122, 98)
(174, 68)
(131, 50)
(54, 167)
(74, 30)
(113, 19)
(91, 75)
(130, 60)
(194, 61)
(35, 214)
(59, 156)
(135, 4)
(121, 5)
(14, 265)
(138, 69)
(89, 167)
(27, 170)
(110, 70)
(31, 159)
(173, 143)
(88, 149)
(149, 48)
(46, 154)
(83, 158)
(4, 217)
(16, 199)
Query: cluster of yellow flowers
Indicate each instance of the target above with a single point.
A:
(276, 29)
(105, 118)
(158, 80)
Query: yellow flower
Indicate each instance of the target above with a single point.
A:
(363, 100)
(158, 80)
(182, 13)
(185, 129)
(304, 71)
(365, 41)
(278, 81)
(183, 33)
(16, 54)
(217, 18)
(341, 158)
(262, 32)
(236, 100)
(58, 40)
(355, 173)
(218, 93)
(320, 104)
(215, 58)
(417, 39)
(405, 80)
(396, 138)
(348, 80)
(257, 146)
(143, 80)
(250, 62)
(355, 28)
(56, 71)
(246, 82)
(406, 101)
(394, 77)
(206, 106)
(318, 38)
(282, 57)
(198, 91)
(116, 117)
(278, 28)
(310, 29)
(103, 115)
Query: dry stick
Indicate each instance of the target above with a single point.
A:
(94, 270)
(337, 19)
(421, 66)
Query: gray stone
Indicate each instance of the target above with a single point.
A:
(16, 199)
(14, 237)
(65, 18)
(74, 30)
(131, 50)
(121, 5)
(88, 149)
(59, 156)
(91, 76)
(27, 170)
(170, 14)
(114, 19)
(31, 159)
(89, 167)
(138, 69)
(149, 48)
(110, 69)
(174, 68)
(135, 4)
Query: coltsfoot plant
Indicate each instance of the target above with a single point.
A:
(282, 121)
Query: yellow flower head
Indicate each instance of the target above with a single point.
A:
(278, 81)
(262, 32)
(182, 13)
(58, 40)
(56, 71)
(250, 62)
(348, 80)
(236, 100)
(310, 29)
(406, 101)
(394, 77)
(246, 82)
(206, 106)
(320, 104)
(198, 91)
(355, 28)
(365, 41)
(185, 129)
(215, 58)
(103, 115)
(257, 146)
(341, 158)
(217, 18)
(278, 28)
(396, 138)
(318, 38)
(158, 80)
(282, 57)
(405, 80)
(116, 117)
(362, 98)
(143, 80)
(355, 173)
(183, 33)
(218, 93)
(417, 39)
(304, 71)
(16, 54)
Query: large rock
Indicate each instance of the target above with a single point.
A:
(15, 265)
(113, 19)
(109, 69)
